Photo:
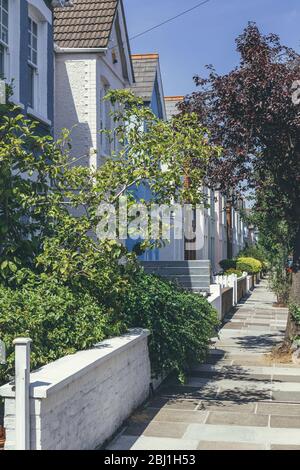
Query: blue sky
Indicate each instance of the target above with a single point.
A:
(205, 36)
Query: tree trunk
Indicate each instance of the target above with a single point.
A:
(229, 230)
(293, 329)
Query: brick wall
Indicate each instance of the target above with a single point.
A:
(80, 401)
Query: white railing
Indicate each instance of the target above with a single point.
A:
(230, 281)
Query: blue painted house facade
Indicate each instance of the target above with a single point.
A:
(27, 57)
(148, 86)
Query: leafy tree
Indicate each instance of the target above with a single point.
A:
(58, 282)
(49, 202)
(251, 113)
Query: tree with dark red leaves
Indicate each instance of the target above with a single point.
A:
(253, 112)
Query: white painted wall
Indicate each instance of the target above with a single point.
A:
(12, 65)
(80, 401)
(79, 79)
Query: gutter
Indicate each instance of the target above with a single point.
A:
(76, 50)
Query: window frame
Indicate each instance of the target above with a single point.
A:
(2, 26)
(33, 65)
(4, 44)
(2, 61)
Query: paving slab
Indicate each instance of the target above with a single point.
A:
(229, 446)
(278, 447)
(236, 418)
(285, 422)
(155, 443)
(279, 409)
(262, 435)
(238, 400)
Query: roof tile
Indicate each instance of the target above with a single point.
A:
(86, 24)
(145, 69)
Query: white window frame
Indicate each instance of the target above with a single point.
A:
(33, 65)
(2, 26)
(12, 50)
(5, 44)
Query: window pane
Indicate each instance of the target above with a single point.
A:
(32, 41)
(1, 61)
(31, 78)
(5, 18)
(4, 21)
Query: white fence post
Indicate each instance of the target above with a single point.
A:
(233, 283)
(248, 284)
(2, 353)
(22, 382)
(2, 92)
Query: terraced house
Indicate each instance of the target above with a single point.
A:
(26, 56)
(92, 55)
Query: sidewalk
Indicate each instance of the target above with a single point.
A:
(237, 400)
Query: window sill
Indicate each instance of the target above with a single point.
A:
(32, 113)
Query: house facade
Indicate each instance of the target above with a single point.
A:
(26, 56)
(148, 86)
(219, 228)
(148, 83)
(92, 55)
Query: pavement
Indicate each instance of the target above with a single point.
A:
(238, 400)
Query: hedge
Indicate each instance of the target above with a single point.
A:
(62, 320)
(250, 265)
(234, 271)
(227, 264)
(181, 323)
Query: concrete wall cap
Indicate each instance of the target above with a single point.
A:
(59, 374)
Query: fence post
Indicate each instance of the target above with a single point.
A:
(2, 92)
(233, 284)
(22, 382)
(248, 284)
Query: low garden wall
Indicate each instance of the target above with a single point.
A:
(80, 401)
(241, 288)
(227, 300)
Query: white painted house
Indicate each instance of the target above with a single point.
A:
(216, 226)
(92, 55)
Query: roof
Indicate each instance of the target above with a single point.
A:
(145, 70)
(171, 105)
(86, 24)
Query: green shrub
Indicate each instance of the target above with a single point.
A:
(60, 321)
(253, 252)
(227, 264)
(250, 265)
(257, 253)
(244, 267)
(234, 271)
(181, 323)
(295, 312)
